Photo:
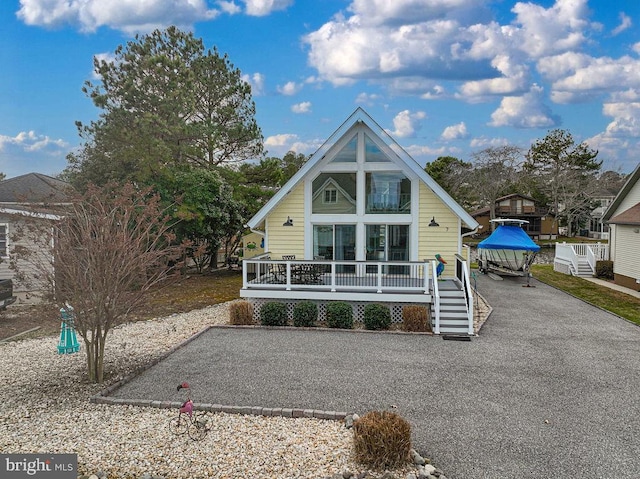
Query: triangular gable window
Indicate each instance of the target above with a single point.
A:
(348, 152)
(373, 154)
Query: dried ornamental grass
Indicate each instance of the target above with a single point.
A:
(416, 318)
(381, 440)
(241, 313)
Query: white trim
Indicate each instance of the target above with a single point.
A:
(339, 137)
(31, 214)
(335, 296)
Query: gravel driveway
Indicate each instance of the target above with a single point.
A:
(550, 388)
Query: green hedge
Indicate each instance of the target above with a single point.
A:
(339, 315)
(273, 314)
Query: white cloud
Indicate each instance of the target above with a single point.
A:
(31, 142)
(304, 107)
(483, 142)
(553, 30)
(135, 16)
(626, 119)
(290, 88)
(29, 151)
(625, 22)
(282, 143)
(280, 140)
(368, 99)
(230, 8)
(455, 132)
(406, 124)
(526, 111)
(260, 8)
(417, 151)
(257, 83)
(130, 16)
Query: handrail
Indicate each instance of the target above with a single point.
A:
(466, 288)
(376, 276)
(436, 297)
(567, 252)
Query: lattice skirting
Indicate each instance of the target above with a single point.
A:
(358, 308)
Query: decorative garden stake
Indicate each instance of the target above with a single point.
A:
(68, 340)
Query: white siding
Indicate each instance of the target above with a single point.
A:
(627, 259)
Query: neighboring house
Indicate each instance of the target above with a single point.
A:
(25, 198)
(361, 221)
(597, 228)
(516, 206)
(623, 218)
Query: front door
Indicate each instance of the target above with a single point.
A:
(336, 243)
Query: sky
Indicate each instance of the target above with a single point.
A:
(443, 77)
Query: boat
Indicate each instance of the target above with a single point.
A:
(508, 250)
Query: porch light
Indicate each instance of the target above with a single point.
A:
(289, 222)
(433, 222)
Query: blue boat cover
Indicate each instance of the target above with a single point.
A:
(509, 237)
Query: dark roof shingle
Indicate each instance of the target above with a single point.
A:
(33, 188)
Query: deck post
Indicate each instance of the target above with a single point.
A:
(379, 267)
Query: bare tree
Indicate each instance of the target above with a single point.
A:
(495, 172)
(108, 249)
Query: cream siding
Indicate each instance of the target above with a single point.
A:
(442, 239)
(287, 239)
(632, 199)
(627, 260)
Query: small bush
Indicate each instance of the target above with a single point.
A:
(376, 317)
(241, 313)
(604, 269)
(381, 439)
(273, 314)
(416, 318)
(339, 315)
(305, 314)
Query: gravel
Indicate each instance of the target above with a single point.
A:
(45, 408)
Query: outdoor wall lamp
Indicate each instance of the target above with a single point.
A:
(433, 222)
(289, 222)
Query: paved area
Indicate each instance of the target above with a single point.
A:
(550, 388)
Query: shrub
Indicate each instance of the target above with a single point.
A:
(604, 269)
(377, 316)
(381, 439)
(273, 314)
(305, 314)
(339, 315)
(416, 318)
(241, 313)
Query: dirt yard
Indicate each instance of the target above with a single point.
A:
(194, 291)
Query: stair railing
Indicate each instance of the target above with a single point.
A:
(567, 253)
(435, 294)
(462, 272)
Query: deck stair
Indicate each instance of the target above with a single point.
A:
(453, 310)
(584, 269)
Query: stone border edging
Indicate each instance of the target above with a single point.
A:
(102, 396)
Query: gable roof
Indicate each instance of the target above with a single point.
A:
(33, 188)
(629, 184)
(628, 217)
(360, 116)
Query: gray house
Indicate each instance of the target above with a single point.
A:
(24, 199)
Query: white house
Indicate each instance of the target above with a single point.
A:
(623, 217)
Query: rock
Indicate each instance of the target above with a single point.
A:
(411, 475)
(362, 475)
(101, 475)
(417, 458)
(429, 469)
(348, 422)
(347, 475)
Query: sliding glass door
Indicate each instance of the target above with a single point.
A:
(388, 243)
(335, 242)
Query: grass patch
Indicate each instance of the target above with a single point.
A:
(622, 304)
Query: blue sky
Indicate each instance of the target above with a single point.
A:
(444, 77)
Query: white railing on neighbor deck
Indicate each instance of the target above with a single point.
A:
(463, 275)
(566, 254)
(435, 294)
(332, 276)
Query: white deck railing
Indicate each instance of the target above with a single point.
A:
(463, 275)
(435, 294)
(366, 276)
(568, 255)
